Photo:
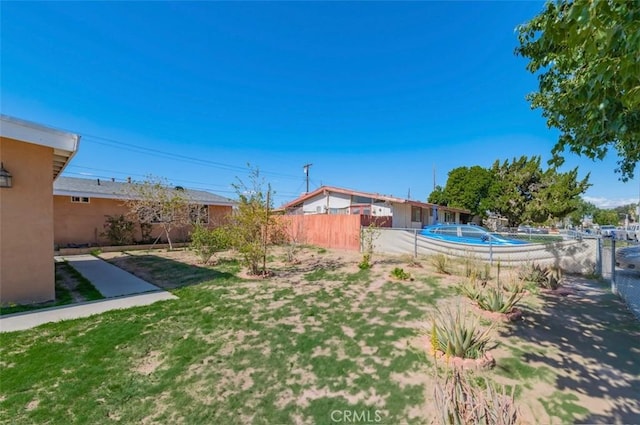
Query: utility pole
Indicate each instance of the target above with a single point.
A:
(305, 167)
(434, 176)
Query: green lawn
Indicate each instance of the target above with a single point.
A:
(228, 351)
(320, 338)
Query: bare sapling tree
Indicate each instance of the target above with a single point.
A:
(369, 234)
(251, 222)
(155, 201)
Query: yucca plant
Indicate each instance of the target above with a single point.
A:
(458, 402)
(495, 299)
(441, 263)
(458, 334)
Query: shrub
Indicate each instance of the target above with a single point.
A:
(441, 263)
(206, 242)
(459, 402)
(456, 335)
(145, 232)
(118, 230)
(365, 264)
(400, 274)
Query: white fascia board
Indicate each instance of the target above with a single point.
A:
(29, 132)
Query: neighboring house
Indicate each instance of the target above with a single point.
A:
(81, 207)
(32, 156)
(333, 217)
(404, 213)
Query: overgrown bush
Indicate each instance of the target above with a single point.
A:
(459, 402)
(118, 230)
(457, 334)
(206, 242)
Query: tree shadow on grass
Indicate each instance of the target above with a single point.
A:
(169, 274)
(596, 342)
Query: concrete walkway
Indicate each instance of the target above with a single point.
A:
(31, 319)
(122, 290)
(110, 280)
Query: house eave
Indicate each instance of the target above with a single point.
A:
(64, 144)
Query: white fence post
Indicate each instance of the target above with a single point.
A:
(614, 288)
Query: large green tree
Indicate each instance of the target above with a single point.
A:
(514, 187)
(466, 187)
(522, 192)
(587, 57)
(558, 195)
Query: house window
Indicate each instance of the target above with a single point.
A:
(80, 199)
(416, 214)
(199, 214)
(449, 217)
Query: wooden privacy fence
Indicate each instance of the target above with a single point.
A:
(335, 231)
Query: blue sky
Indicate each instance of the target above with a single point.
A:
(374, 94)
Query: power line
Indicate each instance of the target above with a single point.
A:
(192, 184)
(175, 156)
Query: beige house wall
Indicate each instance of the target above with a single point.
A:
(82, 223)
(26, 224)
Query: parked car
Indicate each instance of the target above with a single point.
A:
(633, 232)
(628, 257)
(532, 230)
(464, 233)
(607, 230)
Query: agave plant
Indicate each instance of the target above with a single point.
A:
(552, 278)
(471, 289)
(495, 299)
(458, 334)
(513, 286)
(545, 277)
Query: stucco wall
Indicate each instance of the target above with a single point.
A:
(321, 203)
(82, 224)
(26, 224)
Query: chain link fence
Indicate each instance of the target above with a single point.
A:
(584, 254)
(572, 255)
(625, 281)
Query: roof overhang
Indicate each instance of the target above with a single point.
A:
(64, 144)
(128, 197)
